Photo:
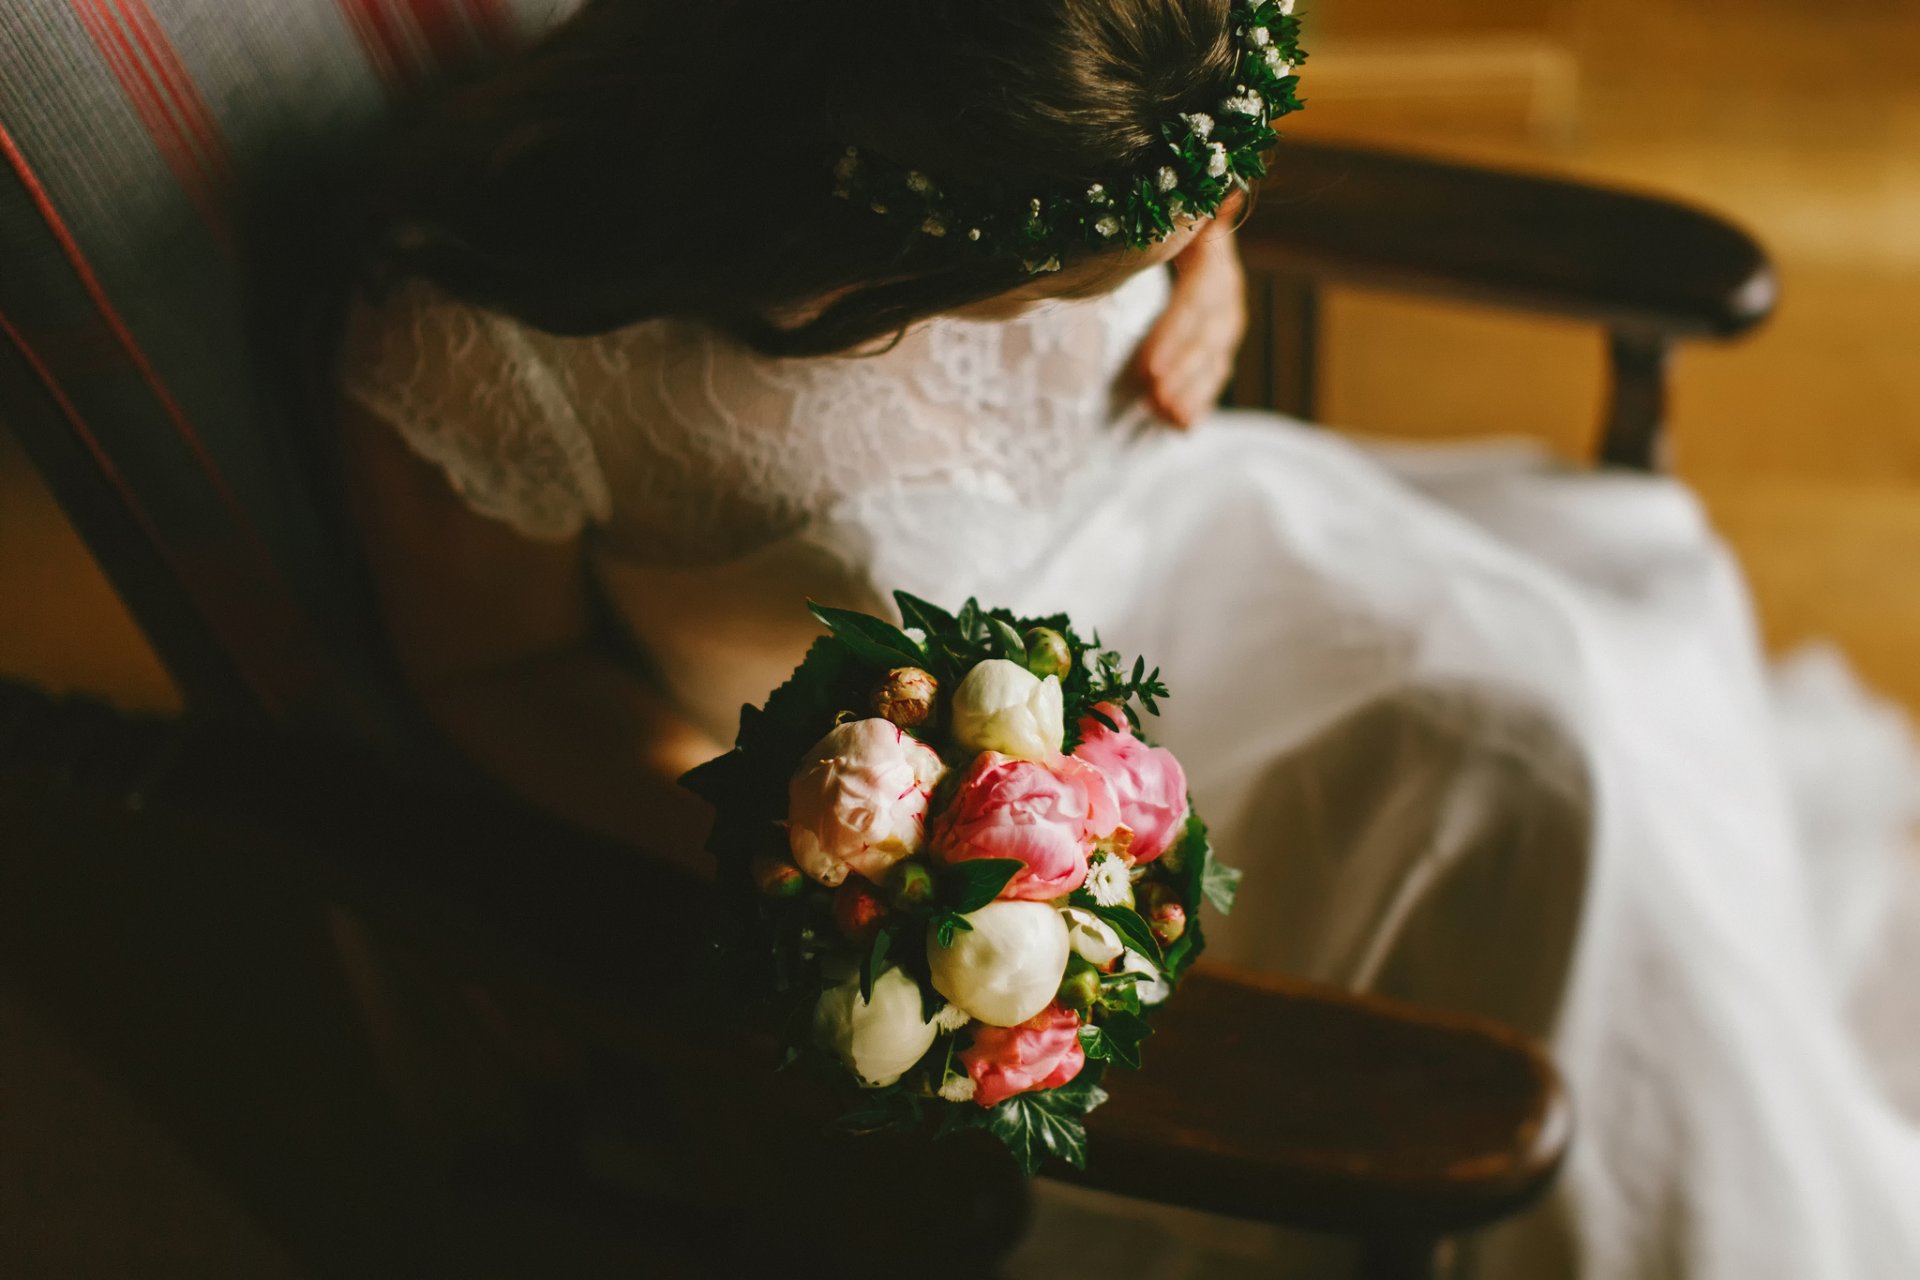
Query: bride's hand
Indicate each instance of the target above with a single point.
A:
(1187, 360)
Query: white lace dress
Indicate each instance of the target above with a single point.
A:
(1481, 733)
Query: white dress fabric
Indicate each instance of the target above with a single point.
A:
(1482, 733)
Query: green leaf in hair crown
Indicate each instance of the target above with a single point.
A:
(963, 906)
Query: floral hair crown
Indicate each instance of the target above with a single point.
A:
(1212, 156)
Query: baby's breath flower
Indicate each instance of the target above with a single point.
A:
(974, 234)
(934, 226)
(1286, 8)
(1097, 194)
(958, 1089)
(1246, 103)
(1216, 160)
(1276, 65)
(1201, 123)
(1261, 37)
(951, 1018)
(1108, 882)
(919, 183)
(1167, 179)
(1108, 226)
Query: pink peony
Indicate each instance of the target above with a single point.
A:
(1046, 815)
(1041, 1053)
(1147, 782)
(859, 801)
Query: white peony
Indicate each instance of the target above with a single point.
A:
(1007, 967)
(877, 1039)
(1091, 938)
(859, 802)
(1001, 706)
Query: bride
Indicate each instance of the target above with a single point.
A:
(699, 311)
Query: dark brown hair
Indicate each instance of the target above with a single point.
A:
(674, 157)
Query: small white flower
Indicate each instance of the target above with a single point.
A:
(1033, 207)
(951, 1018)
(1247, 103)
(1278, 67)
(1201, 123)
(1108, 882)
(934, 226)
(1092, 938)
(1261, 37)
(1216, 160)
(1286, 8)
(974, 234)
(1167, 179)
(1097, 194)
(1108, 226)
(848, 166)
(958, 1089)
(1051, 264)
(919, 183)
(878, 207)
(1153, 988)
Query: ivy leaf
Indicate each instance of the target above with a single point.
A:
(1037, 1125)
(930, 618)
(1132, 929)
(1012, 647)
(875, 961)
(1120, 1037)
(976, 882)
(870, 639)
(1221, 883)
(1093, 1042)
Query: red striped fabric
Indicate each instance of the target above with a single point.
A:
(147, 93)
(282, 639)
(203, 130)
(409, 42)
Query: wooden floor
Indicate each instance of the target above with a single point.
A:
(1805, 440)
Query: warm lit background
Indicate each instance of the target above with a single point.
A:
(1801, 121)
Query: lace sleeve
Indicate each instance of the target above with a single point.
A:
(469, 393)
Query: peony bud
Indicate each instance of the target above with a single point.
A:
(1080, 989)
(1001, 706)
(878, 1039)
(906, 697)
(777, 877)
(1007, 967)
(1164, 914)
(909, 884)
(1048, 653)
(858, 911)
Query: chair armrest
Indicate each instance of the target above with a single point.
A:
(1263, 1097)
(1299, 1104)
(1630, 262)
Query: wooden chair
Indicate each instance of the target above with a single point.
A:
(423, 1030)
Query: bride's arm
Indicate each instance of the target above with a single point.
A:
(493, 632)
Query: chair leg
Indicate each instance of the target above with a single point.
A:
(1638, 416)
(1401, 1258)
(1279, 360)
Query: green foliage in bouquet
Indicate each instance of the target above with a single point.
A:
(791, 941)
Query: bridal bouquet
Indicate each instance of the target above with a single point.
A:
(964, 877)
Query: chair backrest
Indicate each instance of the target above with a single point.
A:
(132, 135)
